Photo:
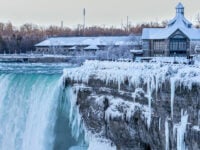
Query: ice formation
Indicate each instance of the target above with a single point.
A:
(181, 130)
(145, 78)
(199, 118)
(100, 144)
(74, 115)
(173, 82)
(197, 128)
(153, 75)
(126, 111)
(159, 126)
(166, 134)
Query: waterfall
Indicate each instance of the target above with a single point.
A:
(27, 111)
(33, 113)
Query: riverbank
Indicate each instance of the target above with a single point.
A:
(43, 58)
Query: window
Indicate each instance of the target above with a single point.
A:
(178, 45)
(159, 45)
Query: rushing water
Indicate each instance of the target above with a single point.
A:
(33, 108)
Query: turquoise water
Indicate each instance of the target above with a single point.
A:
(31, 111)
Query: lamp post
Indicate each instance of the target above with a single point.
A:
(174, 57)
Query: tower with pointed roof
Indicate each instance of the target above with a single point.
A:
(180, 9)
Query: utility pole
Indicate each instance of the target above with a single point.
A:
(61, 24)
(84, 13)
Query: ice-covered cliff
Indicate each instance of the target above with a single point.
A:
(139, 105)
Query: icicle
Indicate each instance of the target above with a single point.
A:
(173, 82)
(119, 83)
(149, 102)
(159, 124)
(181, 129)
(74, 115)
(166, 134)
(157, 81)
(199, 118)
(134, 96)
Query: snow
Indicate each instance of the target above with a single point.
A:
(135, 73)
(197, 128)
(78, 41)
(137, 93)
(139, 51)
(73, 48)
(92, 47)
(165, 33)
(182, 60)
(123, 110)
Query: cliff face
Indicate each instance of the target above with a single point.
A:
(156, 111)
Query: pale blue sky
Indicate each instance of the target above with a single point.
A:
(98, 12)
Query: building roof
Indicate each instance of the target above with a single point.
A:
(92, 47)
(179, 22)
(73, 48)
(86, 41)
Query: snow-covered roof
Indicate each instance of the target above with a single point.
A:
(164, 33)
(91, 47)
(179, 22)
(73, 48)
(86, 41)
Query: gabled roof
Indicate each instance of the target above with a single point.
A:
(165, 33)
